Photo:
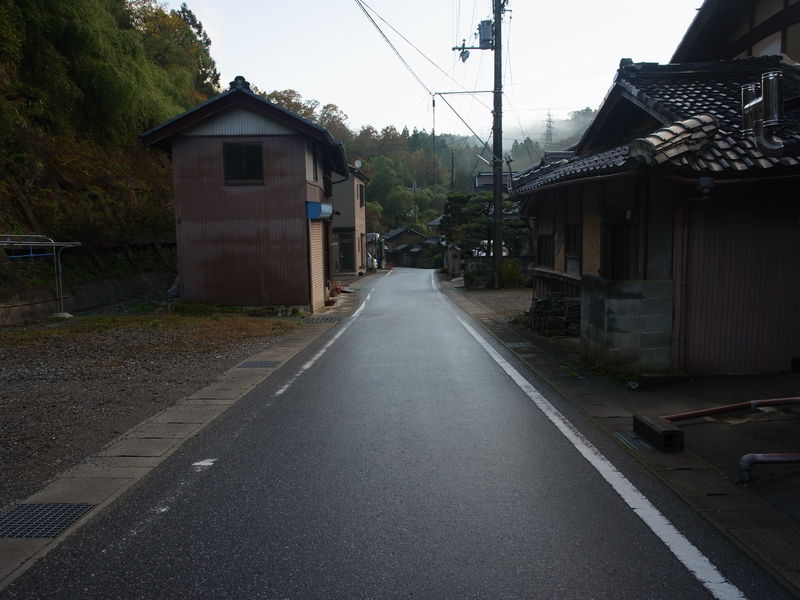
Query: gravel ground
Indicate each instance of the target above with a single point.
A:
(65, 399)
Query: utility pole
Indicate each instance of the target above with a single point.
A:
(490, 38)
(497, 145)
(452, 168)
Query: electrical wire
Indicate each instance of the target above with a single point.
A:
(361, 5)
(486, 146)
(480, 156)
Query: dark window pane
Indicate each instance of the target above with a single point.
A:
(572, 242)
(243, 164)
(253, 168)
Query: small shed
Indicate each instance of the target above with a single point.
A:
(253, 184)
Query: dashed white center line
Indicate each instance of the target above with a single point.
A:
(202, 465)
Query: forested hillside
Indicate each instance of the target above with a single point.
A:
(79, 80)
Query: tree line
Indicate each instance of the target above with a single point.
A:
(79, 80)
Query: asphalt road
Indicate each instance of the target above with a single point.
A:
(399, 457)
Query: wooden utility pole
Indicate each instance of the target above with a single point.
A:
(497, 144)
(492, 39)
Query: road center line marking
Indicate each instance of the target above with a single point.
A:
(202, 465)
(686, 552)
(324, 349)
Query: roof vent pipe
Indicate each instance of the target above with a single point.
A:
(762, 114)
(751, 110)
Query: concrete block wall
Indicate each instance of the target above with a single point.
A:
(627, 325)
(36, 304)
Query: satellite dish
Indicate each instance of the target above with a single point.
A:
(359, 164)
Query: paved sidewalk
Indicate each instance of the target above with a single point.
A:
(762, 517)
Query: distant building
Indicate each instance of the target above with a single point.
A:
(349, 223)
(482, 183)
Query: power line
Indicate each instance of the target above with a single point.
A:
(364, 6)
(361, 5)
(486, 146)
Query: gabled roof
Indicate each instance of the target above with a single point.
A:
(436, 222)
(399, 231)
(681, 117)
(240, 95)
(358, 173)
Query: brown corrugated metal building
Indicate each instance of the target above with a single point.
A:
(252, 185)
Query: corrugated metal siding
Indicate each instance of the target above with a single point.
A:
(242, 244)
(317, 241)
(239, 121)
(742, 288)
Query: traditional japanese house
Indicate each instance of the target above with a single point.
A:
(403, 246)
(677, 227)
(252, 184)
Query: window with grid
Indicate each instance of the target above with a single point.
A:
(244, 164)
(545, 255)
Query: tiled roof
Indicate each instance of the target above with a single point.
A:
(611, 161)
(395, 232)
(703, 103)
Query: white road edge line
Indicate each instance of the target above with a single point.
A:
(686, 552)
(324, 349)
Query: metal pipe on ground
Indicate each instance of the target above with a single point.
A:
(719, 410)
(664, 435)
(749, 460)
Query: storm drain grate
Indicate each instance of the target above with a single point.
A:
(518, 344)
(321, 320)
(259, 364)
(632, 440)
(40, 520)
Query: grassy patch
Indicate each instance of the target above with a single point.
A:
(200, 332)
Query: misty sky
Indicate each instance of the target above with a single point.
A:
(558, 55)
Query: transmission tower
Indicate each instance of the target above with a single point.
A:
(548, 132)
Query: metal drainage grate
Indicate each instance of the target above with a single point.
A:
(259, 364)
(40, 520)
(632, 440)
(321, 320)
(518, 344)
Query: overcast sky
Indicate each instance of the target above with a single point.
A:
(559, 55)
